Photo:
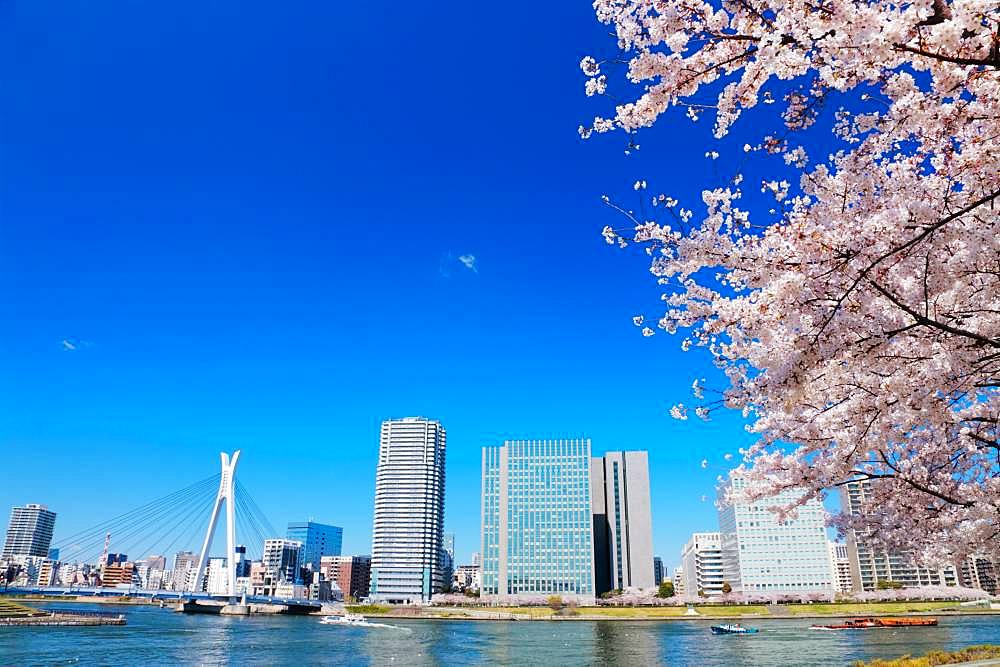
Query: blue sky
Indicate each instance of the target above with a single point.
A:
(248, 220)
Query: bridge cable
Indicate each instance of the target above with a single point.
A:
(138, 534)
(138, 519)
(125, 528)
(214, 479)
(175, 529)
(263, 517)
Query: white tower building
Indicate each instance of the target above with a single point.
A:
(701, 559)
(764, 556)
(409, 511)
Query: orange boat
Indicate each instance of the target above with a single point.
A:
(906, 622)
(866, 623)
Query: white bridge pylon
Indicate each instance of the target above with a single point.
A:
(225, 494)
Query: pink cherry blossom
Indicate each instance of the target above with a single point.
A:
(858, 323)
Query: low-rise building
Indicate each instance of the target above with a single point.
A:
(352, 574)
(841, 565)
(701, 560)
(185, 563)
(48, 571)
(282, 559)
(119, 575)
(289, 590)
(467, 578)
(218, 576)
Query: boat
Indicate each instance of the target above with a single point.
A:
(906, 622)
(867, 623)
(733, 629)
(346, 619)
(357, 621)
(850, 624)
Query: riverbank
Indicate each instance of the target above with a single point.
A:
(986, 655)
(92, 599)
(708, 612)
(16, 614)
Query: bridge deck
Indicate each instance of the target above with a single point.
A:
(98, 592)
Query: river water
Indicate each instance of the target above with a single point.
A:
(162, 637)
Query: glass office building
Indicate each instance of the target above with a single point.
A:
(537, 534)
(318, 540)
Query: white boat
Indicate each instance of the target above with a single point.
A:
(346, 619)
(357, 621)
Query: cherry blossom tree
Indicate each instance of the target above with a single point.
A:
(857, 323)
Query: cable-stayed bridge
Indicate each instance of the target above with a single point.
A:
(179, 520)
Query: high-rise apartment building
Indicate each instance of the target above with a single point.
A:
(282, 559)
(537, 521)
(409, 511)
(185, 563)
(352, 574)
(318, 540)
(623, 524)
(762, 554)
(871, 566)
(29, 532)
(982, 573)
(701, 560)
(841, 564)
(658, 572)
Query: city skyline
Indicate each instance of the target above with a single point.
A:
(355, 543)
(554, 521)
(173, 306)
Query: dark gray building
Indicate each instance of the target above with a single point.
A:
(623, 524)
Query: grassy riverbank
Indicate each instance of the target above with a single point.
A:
(972, 654)
(16, 614)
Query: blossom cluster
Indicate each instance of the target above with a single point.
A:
(858, 324)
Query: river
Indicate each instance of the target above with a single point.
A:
(162, 637)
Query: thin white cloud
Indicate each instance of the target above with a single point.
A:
(74, 344)
(469, 261)
(450, 263)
